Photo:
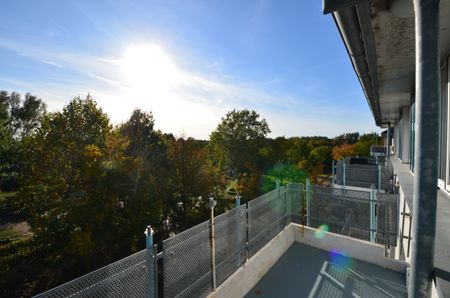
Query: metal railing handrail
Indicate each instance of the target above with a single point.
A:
(252, 240)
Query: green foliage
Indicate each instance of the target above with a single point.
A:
(346, 138)
(285, 173)
(18, 119)
(362, 146)
(63, 189)
(194, 181)
(237, 140)
(343, 151)
(88, 189)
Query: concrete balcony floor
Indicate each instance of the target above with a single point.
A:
(306, 262)
(305, 271)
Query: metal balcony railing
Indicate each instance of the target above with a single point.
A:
(364, 172)
(187, 267)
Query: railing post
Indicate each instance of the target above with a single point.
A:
(238, 227)
(373, 213)
(379, 177)
(148, 237)
(247, 231)
(343, 175)
(286, 221)
(333, 173)
(308, 203)
(150, 257)
(212, 204)
(277, 188)
(155, 266)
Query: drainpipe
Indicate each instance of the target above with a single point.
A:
(388, 137)
(426, 158)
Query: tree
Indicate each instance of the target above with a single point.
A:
(26, 118)
(346, 138)
(289, 173)
(237, 140)
(63, 188)
(194, 180)
(21, 118)
(343, 151)
(18, 119)
(319, 161)
(139, 130)
(146, 179)
(298, 150)
(362, 147)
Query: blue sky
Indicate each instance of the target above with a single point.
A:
(188, 62)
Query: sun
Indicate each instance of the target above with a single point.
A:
(147, 69)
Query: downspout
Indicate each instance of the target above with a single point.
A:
(426, 158)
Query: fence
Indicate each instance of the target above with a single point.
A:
(267, 216)
(369, 216)
(133, 276)
(375, 172)
(187, 263)
(187, 267)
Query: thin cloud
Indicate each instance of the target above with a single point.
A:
(194, 105)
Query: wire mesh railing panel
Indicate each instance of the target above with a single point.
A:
(295, 202)
(339, 173)
(283, 208)
(347, 194)
(387, 219)
(365, 175)
(230, 237)
(343, 212)
(266, 218)
(187, 263)
(187, 266)
(132, 276)
(387, 176)
(361, 175)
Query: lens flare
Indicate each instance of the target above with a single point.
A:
(340, 258)
(321, 231)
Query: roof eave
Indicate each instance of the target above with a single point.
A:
(353, 20)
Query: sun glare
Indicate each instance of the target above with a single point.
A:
(148, 70)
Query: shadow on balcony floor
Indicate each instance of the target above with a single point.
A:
(304, 271)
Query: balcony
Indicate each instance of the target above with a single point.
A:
(324, 240)
(301, 262)
(364, 172)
